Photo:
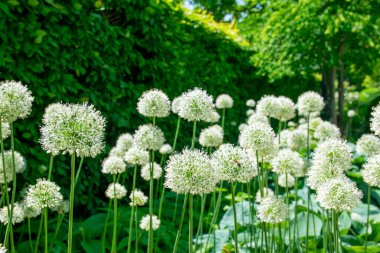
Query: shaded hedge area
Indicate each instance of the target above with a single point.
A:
(108, 54)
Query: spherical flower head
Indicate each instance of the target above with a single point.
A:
(20, 162)
(136, 156)
(17, 216)
(211, 136)
(125, 141)
(63, 207)
(250, 103)
(326, 130)
(15, 101)
(8, 173)
(371, 171)
(224, 101)
(272, 210)
(145, 222)
(318, 175)
(176, 103)
(242, 126)
(196, 105)
(310, 102)
(234, 164)
(368, 145)
(256, 117)
(145, 171)
(314, 123)
(284, 136)
(351, 113)
(73, 128)
(2, 249)
(138, 198)
(166, 149)
(29, 212)
(292, 124)
(154, 103)
(149, 137)
(284, 109)
(267, 192)
(339, 194)
(117, 151)
(113, 165)
(190, 171)
(267, 106)
(5, 130)
(258, 137)
(250, 112)
(288, 162)
(297, 139)
(116, 191)
(375, 120)
(44, 194)
(333, 154)
(282, 180)
(213, 117)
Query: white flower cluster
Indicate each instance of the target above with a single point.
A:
(138, 198)
(15, 101)
(190, 171)
(124, 142)
(375, 120)
(351, 113)
(166, 149)
(145, 171)
(368, 144)
(73, 128)
(371, 171)
(113, 165)
(116, 191)
(63, 207)
(272, 210)
(250, 103)
(136, 156)
(285, 109)
(256, 117)
(154, 103)
(196, 105)
(266, 192)
(297, 139)
(176, 103)
(20, 162)
(17, 216)
(149, 137)
(5, 130)
(326, 130)
(224, 101)
(44, 194)
(267, 106)
(145, 222)
(286, 180)
(310, 102)
(211, 136)
(288, 162)
(233, 164)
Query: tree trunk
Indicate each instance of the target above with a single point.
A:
(341, 97)
(329, 95)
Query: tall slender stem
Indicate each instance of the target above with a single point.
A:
(308, 189)
(30, 236)
(14, 184)
(176, 133)
(60, 219)
(223, 117)
(150, 242)
(215, 215)
(50, 166)
(287, 202)
(79, 170)
(190, 223)
(71, 213)
(235, 219)
(45, 213)
(295, 235)
(200, 223)
(368, 209)
(132, 211)
(103, 240)
(114, 234)
(194, 133)
(38, 234)
(180, 224)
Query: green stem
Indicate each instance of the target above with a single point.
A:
(30, 236)
(175, 208)
(132, 211)
(194, 132)
(180, 224)
(71, 213)
(114, 235)
(150, 242)
(287, 202)
(235, 219)
(50, 166)
(200, 223)
(14, 184)
(216, 214)
(176, 133)
(191, 223)
(60, 219)
(223, 117)
(38, 235)
(308, 189)
(79, 170)
(136, 232)
(46, 228)
(367, 225)
(103, 247)
(295, 232)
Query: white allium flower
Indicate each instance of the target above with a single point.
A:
(137, 156)
(20, 162)
(17, 216)
(284, 109)
(211, 136)
(166, 149)
(272, 210)
(124, 142)
(116, 190)
(250, 112)
(267, 192)
(339, 194)
(63, 207)
(113, 165)
(250, 103)
(242, 126)
(73, 128)
(149, 137)
(333, 154)
(288, 162)
(145, 222)
(29, 212)
(317, 176)
(196, 105)
(351, 113)
(297, 139)
(267, 106)
(257, 137)
(213, 117)
(224, 101)
(302, 121)
(284, 135)
(190, 171)
(154, 103)
(326, 130)
(117, 151)
(375, 120)
(176, 104)
(234, 164)
(44, 194)
(368, 144)
(371, 171)
(282, 180)
(5, 130)
(15, 101)
(310, 102)
(145, 171)
(256, 117)
(292, 124)
(314, 123)
(8, 173)
(2, 249)
(138, 198)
